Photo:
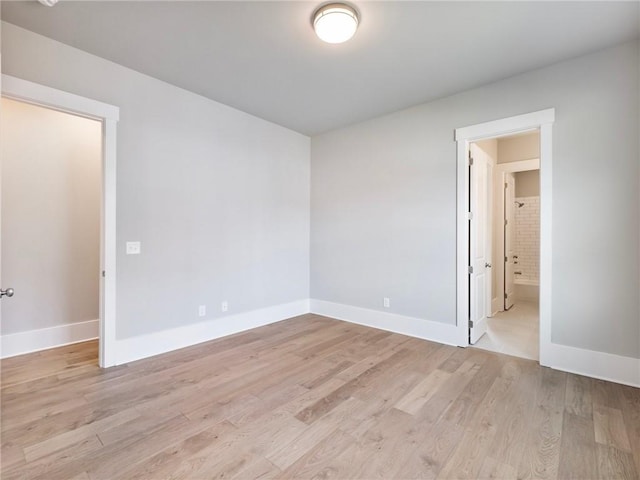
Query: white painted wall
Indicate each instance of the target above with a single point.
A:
(51, 171)
(383, 217)
(490, 147)
(218, 198)
(528, 183)
(511, 149)
(519, 147)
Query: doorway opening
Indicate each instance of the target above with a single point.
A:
(513, 243)
(501, 292)
(51, 177)
(101, 118)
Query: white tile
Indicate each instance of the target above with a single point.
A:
(515, 332)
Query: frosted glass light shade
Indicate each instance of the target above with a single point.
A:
(335, 23)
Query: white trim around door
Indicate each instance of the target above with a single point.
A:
(108, 115)
(502, 169)
(542, 120)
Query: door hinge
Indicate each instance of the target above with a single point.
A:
(506, 221)
(470, 323)
(103, 274)
(506, 184)
(505, 296)
(506, 259)
(469, 215)
(470, 269)
(470, 158)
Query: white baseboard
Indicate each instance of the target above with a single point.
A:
(605, 366)
(45, 338)
(143, 346)
(413, 327)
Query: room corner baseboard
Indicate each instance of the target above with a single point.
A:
(605, 366)
(45, 338)
(148, 345)
(411, 326)
(601, 365)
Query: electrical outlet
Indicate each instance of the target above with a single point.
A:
(386, 302)
(202, 310)
(224, 306)
(133, 248)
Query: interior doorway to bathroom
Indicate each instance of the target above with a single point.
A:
(505, 185)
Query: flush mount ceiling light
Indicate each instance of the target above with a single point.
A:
(335, 22)
(48, 3)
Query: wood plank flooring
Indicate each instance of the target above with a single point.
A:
(312, 398)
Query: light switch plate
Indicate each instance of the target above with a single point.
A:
(133, 248)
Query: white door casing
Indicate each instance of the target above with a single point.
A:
(464, 136)
(509, 252)
(29, 92)
(480, 242)
(498, 230)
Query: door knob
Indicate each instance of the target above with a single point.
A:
(487, 265)
(8, 292)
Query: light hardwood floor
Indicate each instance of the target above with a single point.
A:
(312, 397)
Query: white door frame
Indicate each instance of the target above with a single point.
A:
(542, 120)
(501, 170)
(108, 115)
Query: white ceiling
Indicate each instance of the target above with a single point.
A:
(263, 57)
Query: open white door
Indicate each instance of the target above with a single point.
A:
(509, 253)
(479, 243)
(489, 240)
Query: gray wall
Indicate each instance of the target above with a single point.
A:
(383, 197)
(51, 164)
(218, 198)
(528, 183)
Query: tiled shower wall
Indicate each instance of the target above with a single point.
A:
(527, 245)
